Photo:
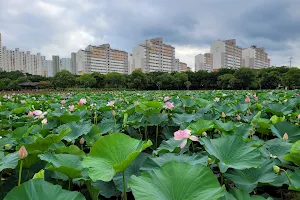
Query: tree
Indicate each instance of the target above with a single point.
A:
(86, 80)
(245, 76)
(138, 80)
(224, 81)
(167, 80)
(100, 79)
(4, 83)
(187, 84)
(114, 79)
(292, 78)
(270, 80)
(179, 79)
(63, 79)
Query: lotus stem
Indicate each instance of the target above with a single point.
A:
(222, 178)
(124, 187)
(69, 184)
(20, 172)
(287, 177)
(146, 131)
(156, 136)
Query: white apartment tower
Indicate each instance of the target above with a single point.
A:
(73, 63)
(255, 58)
(225, 54)
(203, 62)
(101, 59)
(154, 55)
(65, 63)
(1, 58)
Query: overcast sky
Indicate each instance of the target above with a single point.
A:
(60, 27)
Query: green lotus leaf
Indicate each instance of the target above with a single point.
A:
(177, 181)
(72, 149)
(294, 155)
(278, 147)
(232, 152)
(77, 129)
(201, 126)
(66, 118)
(170, 145)
(248, 179)
(294, 178)
(42, 144)
(182, 118)
(107, 189)
(39, 189)
(281, 128)
(278, 109)
(236, 194)
(65, 163)
(275, 119)
(168, 157)
(227, 126)
(157, 119)
(112, 154)
(10, 161)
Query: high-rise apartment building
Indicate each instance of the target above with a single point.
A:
(73, 63)
(226, 54)
(101, 59)
(65, 63)
(255, 58)
(183, 67)
(154, 55)
(1, 58)
(130, 63)
(55, 65)
(203, 62)
(16, 60)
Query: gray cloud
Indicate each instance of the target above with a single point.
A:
(63, 26)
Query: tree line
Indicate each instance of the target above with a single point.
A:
(243, 78)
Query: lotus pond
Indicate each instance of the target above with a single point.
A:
(150, 145)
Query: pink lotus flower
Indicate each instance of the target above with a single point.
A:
(247, 100)
(166, 98)
(285, 137)
(23, 101)
(63, 101)
(238, 117)
(71, 108)
(111, 103)
(82, 101)
(184, 135)
(44, 121)
(30, 114)
(256, 98)
(120, 99)
(217, 99)
(297, 94)
(22, 152)
(223, 115)
(169, 105)
(299, 116)
(136, 103)
(37, 112)
(81, 141)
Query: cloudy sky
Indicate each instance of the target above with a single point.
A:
(63, 26)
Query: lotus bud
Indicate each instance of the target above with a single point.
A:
(44, 121)
(7, 147)
(81, 141)
(209, 160)
(113, 112)
(276, 169)
(251, 132)
(223, 115)
(238, 117)
(204, 134)
(22, 152)
(285, 137)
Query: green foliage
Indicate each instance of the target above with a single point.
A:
(86, 80)
(63, 79)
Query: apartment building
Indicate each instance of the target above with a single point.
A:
(55, 65)
(101, 59)
(65, 64)
(154, 55)
(73, 63)
(226, 54)
(13, 60)
(1, 58)
(183, 67)
(255, 58)
(48, 69)
(203, 62)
